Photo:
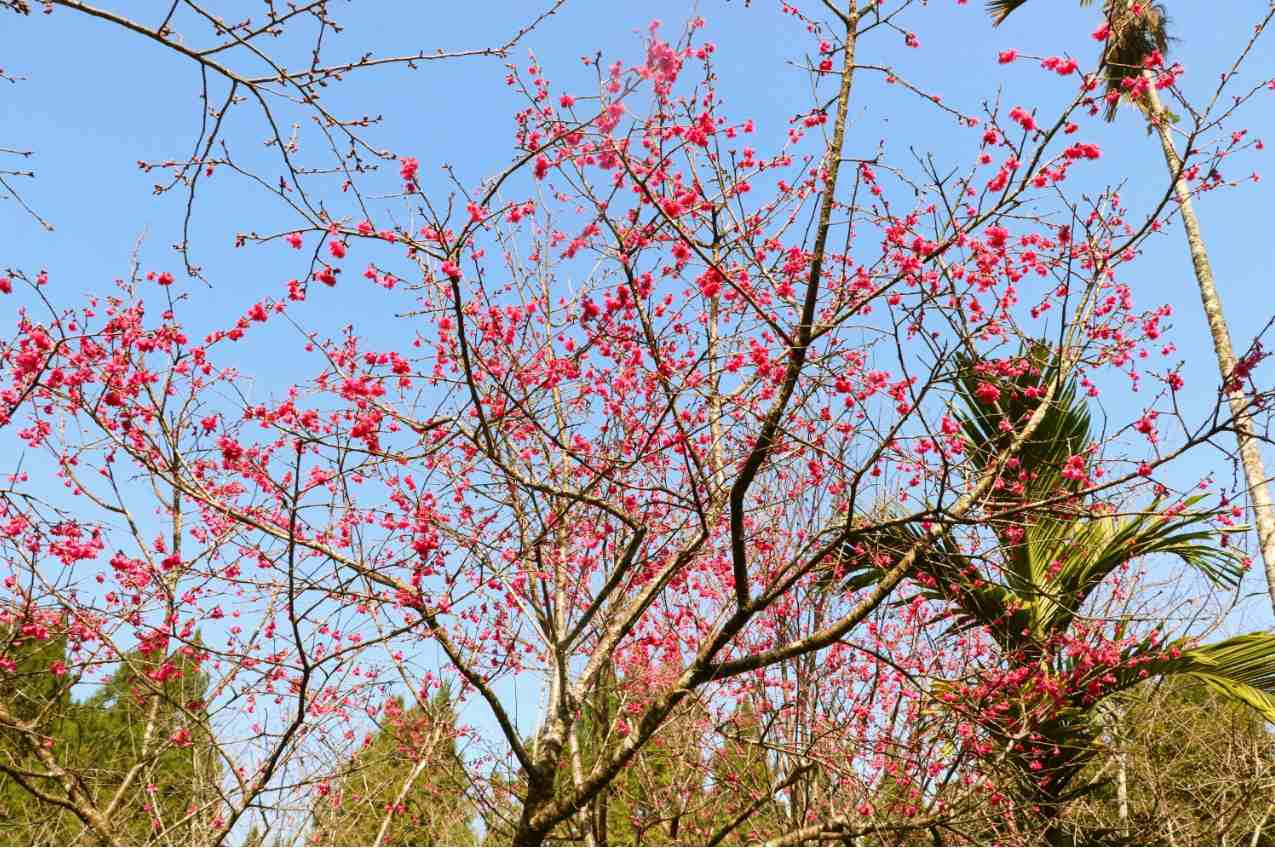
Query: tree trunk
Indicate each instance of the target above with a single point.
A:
(1122, 791)
(1249, 450)
(539, 795)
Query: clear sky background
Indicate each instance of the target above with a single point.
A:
(96, 99)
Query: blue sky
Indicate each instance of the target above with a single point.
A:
(97, 99)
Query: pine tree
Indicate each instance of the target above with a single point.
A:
(30, 691)
(135, 719)
(407, 787)
(659, 797)
(741, 780)
(655, 800)
(143, 727)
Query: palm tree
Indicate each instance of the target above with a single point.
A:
(1136, 31)
(1133, 36)
(1054, 546)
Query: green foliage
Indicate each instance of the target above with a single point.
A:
(658, 797)
(1054, 547)
(742, 778)
(1240, 669)
(1197, 769)
(412, 773)
(680, 788)
(124, 732)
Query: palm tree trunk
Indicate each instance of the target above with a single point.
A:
(1250, 453)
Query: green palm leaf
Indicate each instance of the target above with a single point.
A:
(1131, 42)
(989, 426)
(1064, 430)
(1241, 668)
(975, 602)
(1002, 9)
(1055, 556)
(1069, 565)
(1055, 546)
(1051, 558)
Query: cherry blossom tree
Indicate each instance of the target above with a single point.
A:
(676, 434)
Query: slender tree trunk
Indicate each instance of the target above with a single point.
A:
(1249, 449)
(1122, 791)
(1261, 823)
(384, 829)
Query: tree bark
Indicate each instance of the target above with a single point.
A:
(1249, 449)
(1122, 790)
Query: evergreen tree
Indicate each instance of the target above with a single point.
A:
(146, 726)
(741, 780)
(153, 712)
(409, 780)
(658, 799)
(30, 692)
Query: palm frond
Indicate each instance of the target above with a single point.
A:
(1136, 31)
(1069, 565)
(875, 545)
(947, 575)
(1241, 668)
(1054, 557)
(1130, 43)
(1002, 9)
(989, 428)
